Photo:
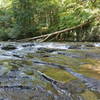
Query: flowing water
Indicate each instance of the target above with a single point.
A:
(49, 71)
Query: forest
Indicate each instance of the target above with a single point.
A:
(50, 20)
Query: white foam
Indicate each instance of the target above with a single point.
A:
(97, 44)
(52, 46)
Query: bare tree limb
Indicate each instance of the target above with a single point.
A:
(47, 36)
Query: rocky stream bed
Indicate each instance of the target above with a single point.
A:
(49, 71)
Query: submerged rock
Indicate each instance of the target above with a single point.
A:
(28, 45)
(24, 93)
(75, 47)
(43, 50)
(9, 47)
(90, 45)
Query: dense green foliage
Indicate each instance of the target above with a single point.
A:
(23, 16)
(27, 18)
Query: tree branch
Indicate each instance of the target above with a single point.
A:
(47, 36)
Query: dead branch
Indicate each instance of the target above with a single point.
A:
(47, 36)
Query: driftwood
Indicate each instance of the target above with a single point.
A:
(55, 34)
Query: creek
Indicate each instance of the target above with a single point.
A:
(49, 71)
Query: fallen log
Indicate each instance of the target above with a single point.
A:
(47, 36)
